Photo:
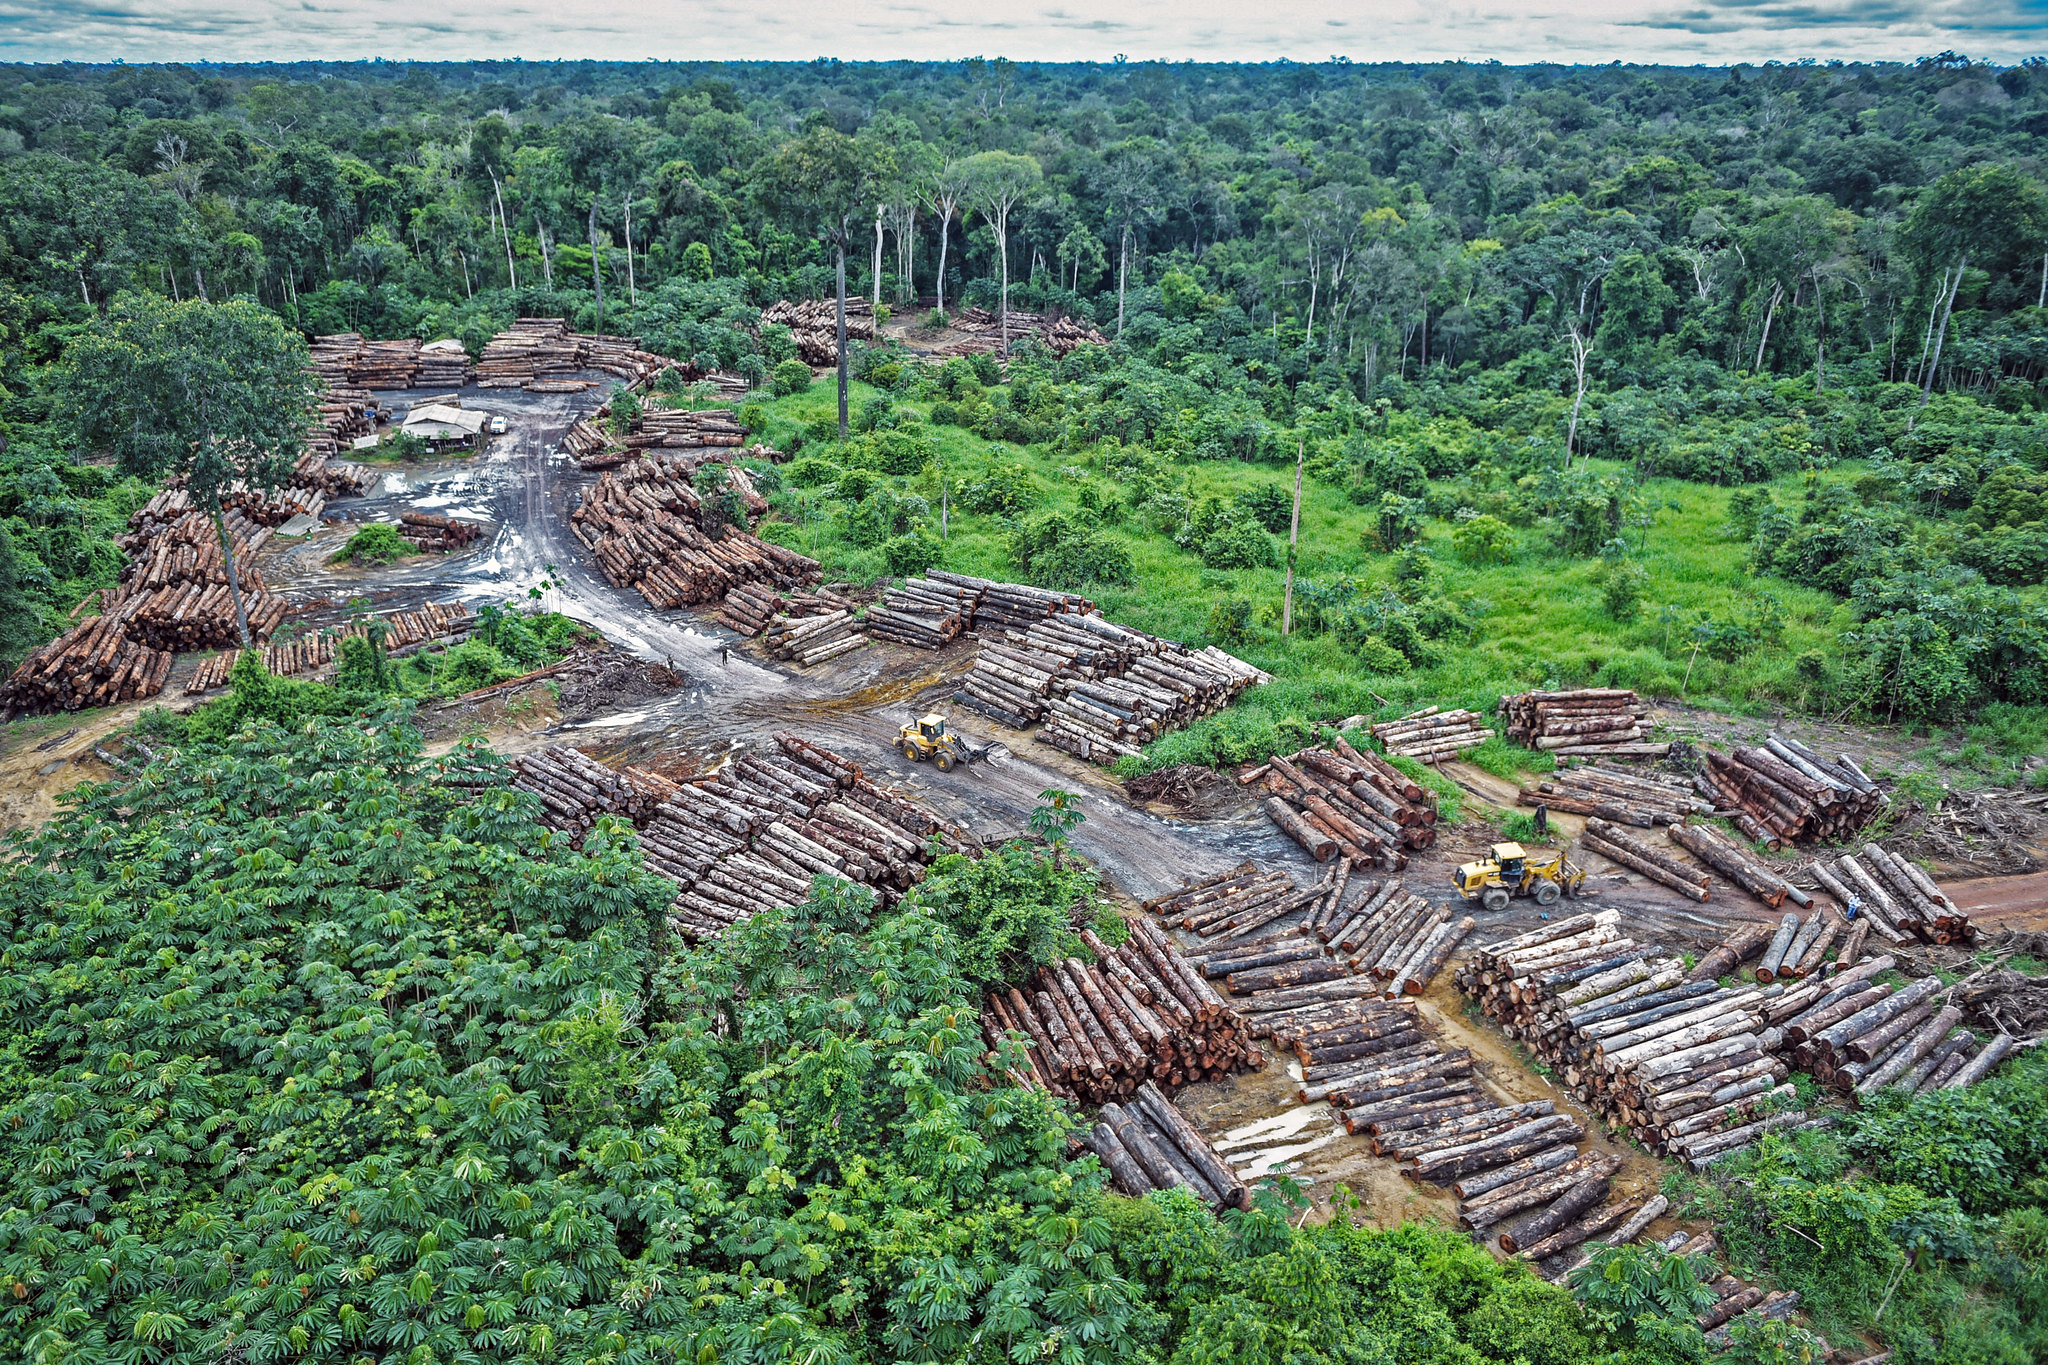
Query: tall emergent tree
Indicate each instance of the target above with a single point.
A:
(213, 393)
(827, 180)
(997, 181)
(1986, 213)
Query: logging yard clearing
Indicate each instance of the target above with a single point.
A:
(1326, 873)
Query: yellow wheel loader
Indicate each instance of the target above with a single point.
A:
(1509, 871)
(927, 739)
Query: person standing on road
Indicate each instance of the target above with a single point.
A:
(725, 655)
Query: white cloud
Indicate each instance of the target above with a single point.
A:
(1677, 31)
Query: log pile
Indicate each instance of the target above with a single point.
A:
(174, 589)
(1148, 1145)
(314, 472)
(1896, 895)
(641, 524)
(757, 832)
(1735, 863)
(923, 612)
(404, 633)
(95, 663)
(749, 608)
(575, 789)
(812, 640)
(1641, 799)
(1617, 845)
(984, 332)
(429, 533)
(532, 350)
(1685, 1067)
(1101, 689)
(1591, 720)
(815, 324)
(1433, 734)
(1138, 1015)
(1783, 792)
(443, 364)
(1345, 800)
(1859, 1035)
(330, 356)
(594, 445)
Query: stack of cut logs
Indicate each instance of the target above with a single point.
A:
(594, 446)
(339, 479)
(757, 832)
(815, 324)
(1102, 689)
(1783, 792)
(1674, 1061)
(425, 532)
(1396, 940)
(330, 356)
(96, 663)
(574, 789)
(1896, 896)
(1139, 1013)
(443, 364)
(1591, 720)
(750, 607)
(812, 640)
(1346, 801)
(405, 632)
(641, 524)
(923, 612)
(1013, 606)
(1860, 1036)
(1641, 799)
(1147, 1145)
(1433, 734)
(1617, 845)
(175, 586)
(1059, 334)
(1732, 861)
(534, 350)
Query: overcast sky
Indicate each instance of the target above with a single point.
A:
(1677, 31)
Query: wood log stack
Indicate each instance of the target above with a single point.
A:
(1590, 720)
(1101, 689)
(331, 356)
(1896, 895)
(1617, 845)
(532, 350)
(1433, 734)
(815, 324)
(758, 831)
(404, 632)
(575, 789)
(443, 364)
(1685, 1067)
(175, 585)
(1735, 863)
(1138, 1015)
(750, 607)
(1148, 1145)
(641, 524)
(1782, 792)
(812, 640)
(1630, 798)
(315, 472)
(95, 663)
(1013, 606)
(984, 332)
(430, 533)
(923, 613)
(594, 445)
(1345, 800)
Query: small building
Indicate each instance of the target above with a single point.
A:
(440, 423)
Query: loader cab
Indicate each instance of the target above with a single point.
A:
(932, 727)
(1513, 861)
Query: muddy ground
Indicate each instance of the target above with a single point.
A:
(677, 693)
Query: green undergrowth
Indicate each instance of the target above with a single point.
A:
(870, 508)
